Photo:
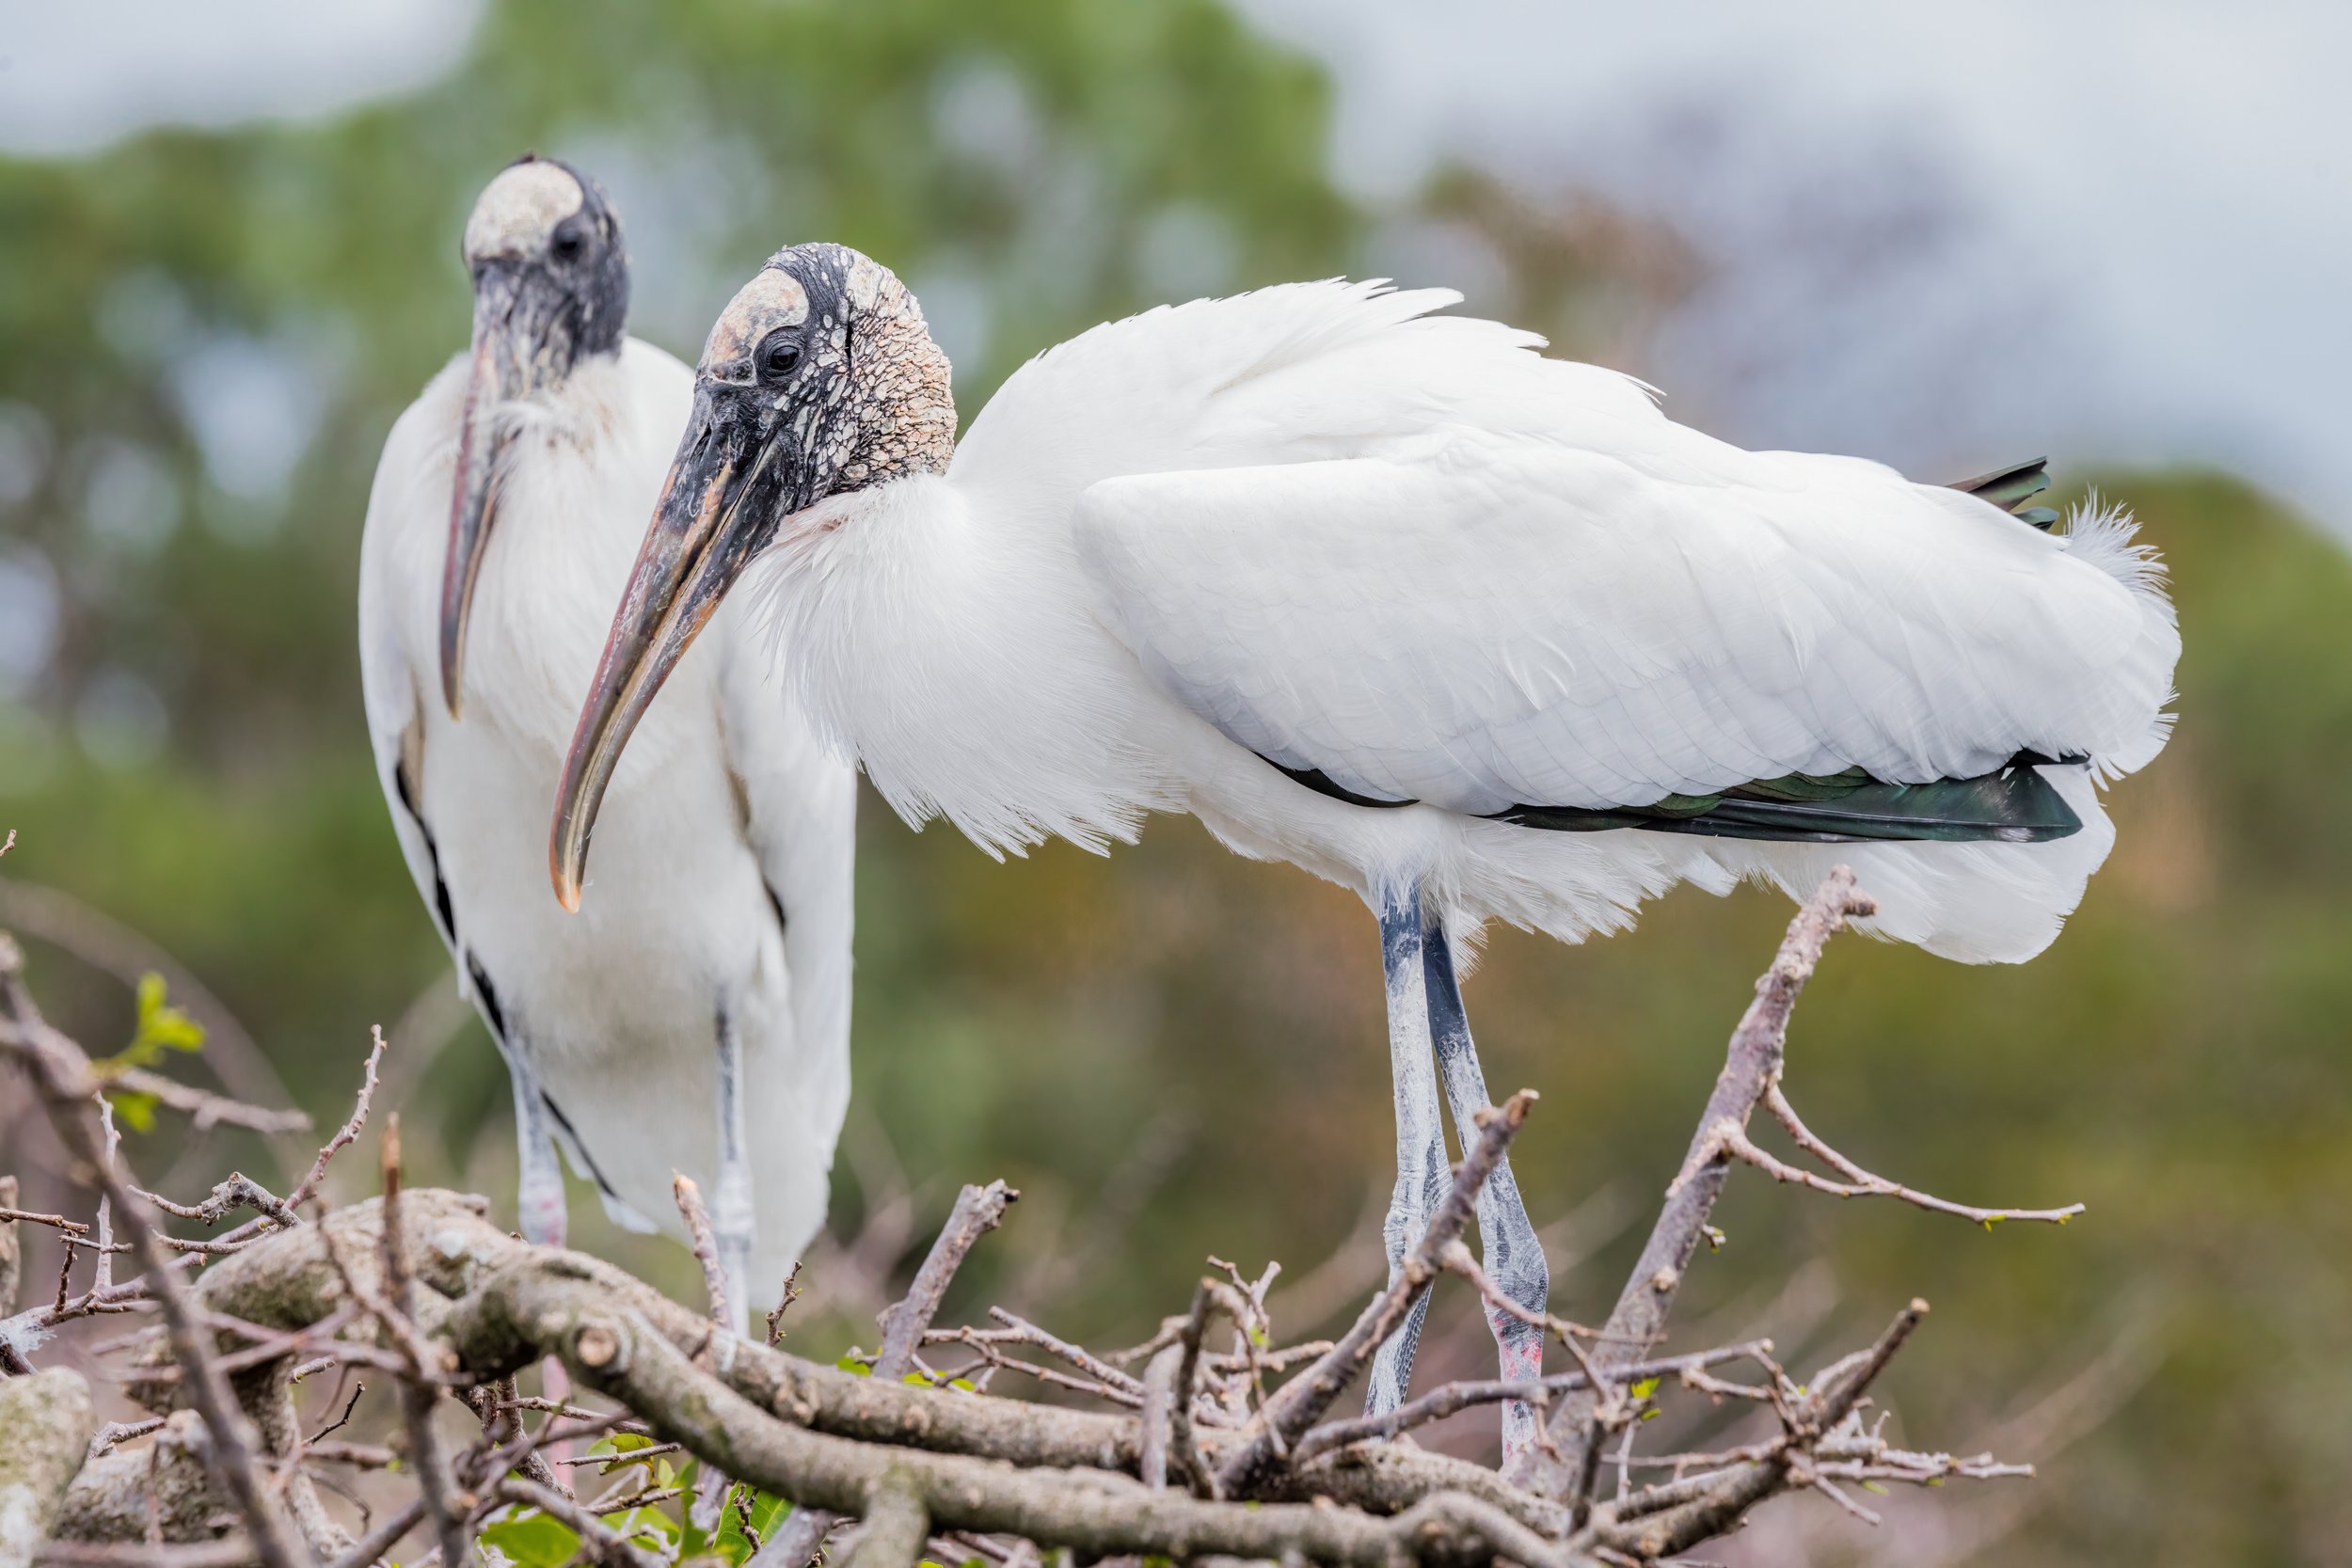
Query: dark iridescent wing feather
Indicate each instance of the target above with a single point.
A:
(2010, 489)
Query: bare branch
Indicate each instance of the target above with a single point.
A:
(1302, 1400)
(232, 1551)
(1439, 1403)
(1182, 1443)
(61, 1075)
(106, 943)
(239, 1192)
(978, 1212)
(1019, 1330)
(342, 1139)
(791, 1295)
(1750, 1063)
(418, 1396)
(705, 1242)
(896, 1525)
(1860, 1183)
(384, 1537)
(203, 1107)
(1159, 1404)
(13, 1263)
(622, 1355)
(45, 1425)
(601, 1542)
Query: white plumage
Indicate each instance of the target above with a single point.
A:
(724, 896)
(1317, 525)
(1355, 583)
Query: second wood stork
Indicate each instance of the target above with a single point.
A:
(697, 1018)
(1386, 595)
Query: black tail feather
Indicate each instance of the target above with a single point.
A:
(2011, 487)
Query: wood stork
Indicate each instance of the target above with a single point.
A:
(1385, 594)
(697, 1018)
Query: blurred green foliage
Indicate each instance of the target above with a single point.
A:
(1172, 1051)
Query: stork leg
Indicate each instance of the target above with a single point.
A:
(539, 1197)
(731, 1203)
(1420, 1162)
(1513, 1257)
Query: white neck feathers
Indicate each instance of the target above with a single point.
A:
(948, 652)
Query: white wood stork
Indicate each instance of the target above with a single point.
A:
(1476, 633)
(697, 1018)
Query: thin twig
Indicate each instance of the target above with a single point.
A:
(230, 1551)
(1445, 1400)
(203, 1107)
(1860, 1183)
(343, 1136)
(600, 1540)
(710, 1483)
(977, 1212)
(384, 1537)
(1159, 1406)
(1182, 1444)
(62, 1070)
(791, 1295)
(705, 1242)
(1752, 1060)
(417, 1395)
(1300, 1402)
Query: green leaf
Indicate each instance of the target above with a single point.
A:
(1644, 1388)
(768, 1512)
(648, 1525)
(134, 1108)
(530, 1539)
(163, 1027)
(853, 1365)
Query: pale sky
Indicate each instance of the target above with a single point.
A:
(2114, 230)
(2119, 229)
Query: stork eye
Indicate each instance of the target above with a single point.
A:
(778, 358)
(567, 246)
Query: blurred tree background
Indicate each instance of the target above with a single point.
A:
(205, 335)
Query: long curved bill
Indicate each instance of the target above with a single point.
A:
(494, 378)
(691, 556)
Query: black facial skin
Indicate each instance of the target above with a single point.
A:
(771, 433)
(572, 302)
(781, 423)
(534, 318)
(779, 420)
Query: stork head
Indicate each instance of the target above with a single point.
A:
(550, 287)
(821, 380)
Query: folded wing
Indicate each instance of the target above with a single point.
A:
(1498, 623)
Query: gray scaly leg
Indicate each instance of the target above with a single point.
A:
(1420, 1162)
(1513, 1257)
(731, 1202)
(539, 1198)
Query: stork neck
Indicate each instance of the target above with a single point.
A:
(952, 652)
